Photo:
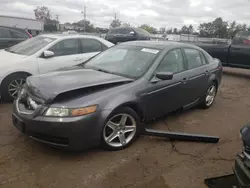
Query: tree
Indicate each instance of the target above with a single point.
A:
(115, 23)
(42, 13)
(216, 28)
(232, 29)
(162, 30)
(190, 29)
(206, 30)
(169, 31)
(175, 31)
(220, 28)
(126, 24)
(148, 28)
(184, 30)
(84, 25)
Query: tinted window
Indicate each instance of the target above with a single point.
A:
(124, 31)
(193, 58)
(242, 40)
(128, 61)
(31, 46)
(66, 47)
(17, 35)
(90, 45)
(4, 33)
(172, 62)
(112, 31)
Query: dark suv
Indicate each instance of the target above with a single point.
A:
(124, 34)
(10, 36)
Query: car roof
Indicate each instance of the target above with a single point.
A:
(158, 44)
(69, 36)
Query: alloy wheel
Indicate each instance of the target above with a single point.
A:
(15, 86)
(119, 130)
(211, 93)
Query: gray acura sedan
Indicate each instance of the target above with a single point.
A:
(104, 101)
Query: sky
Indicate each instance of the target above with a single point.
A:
(157, 13)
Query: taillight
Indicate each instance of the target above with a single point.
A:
(30, 36)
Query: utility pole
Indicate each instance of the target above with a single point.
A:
(57, 17)
(84, 18)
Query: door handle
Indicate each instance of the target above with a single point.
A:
(207, 72)
(184, 80)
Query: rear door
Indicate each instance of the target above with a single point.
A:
(66, 53)
(5, 38)
(127, 34)
(89, 48)
(197, 75)
(239, 54)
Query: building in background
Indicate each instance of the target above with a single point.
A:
(33, 26)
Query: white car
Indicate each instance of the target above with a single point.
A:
(42, 54)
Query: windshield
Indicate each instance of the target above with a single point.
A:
(128, 61)
(31, 46)
(141, 31)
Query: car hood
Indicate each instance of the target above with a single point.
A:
(8, 57)
(49, 86)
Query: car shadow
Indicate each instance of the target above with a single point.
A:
(241, 74)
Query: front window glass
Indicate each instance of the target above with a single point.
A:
(31, 46)
(128, 61)
(66, 47)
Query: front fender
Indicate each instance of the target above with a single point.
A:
(121, 100)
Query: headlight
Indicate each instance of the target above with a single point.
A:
(65, 112)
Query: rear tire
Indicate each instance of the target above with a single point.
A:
(209, 98)
(117, 135)
(11, 85)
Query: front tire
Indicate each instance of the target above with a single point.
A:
(209, 98)
(11, 86)
(120, 129)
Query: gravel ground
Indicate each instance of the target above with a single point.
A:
(150, 162)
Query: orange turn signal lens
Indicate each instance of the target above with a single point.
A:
(83, 111)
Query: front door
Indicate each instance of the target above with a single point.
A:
(164, 96)
(66, 54)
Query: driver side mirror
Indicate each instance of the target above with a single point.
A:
(48, 54)
(164, 75)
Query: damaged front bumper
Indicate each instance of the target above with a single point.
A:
(242, 169)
